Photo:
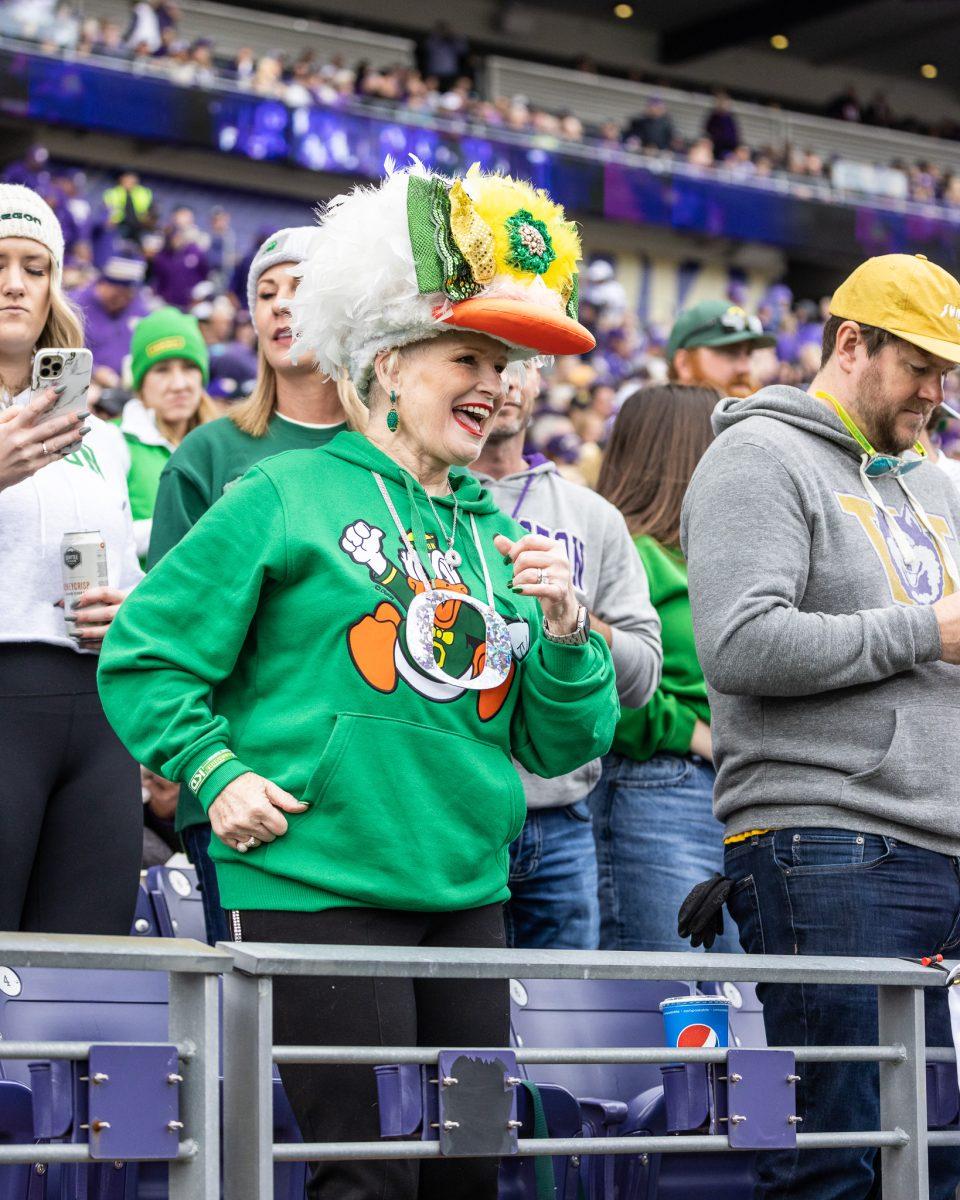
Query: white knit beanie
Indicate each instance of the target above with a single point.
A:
(25, 214)
(286, 245)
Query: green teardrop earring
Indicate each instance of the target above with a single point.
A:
(393, 417)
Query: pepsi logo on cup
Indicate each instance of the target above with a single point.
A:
(698, 1036)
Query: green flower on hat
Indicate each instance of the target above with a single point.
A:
(531, 248)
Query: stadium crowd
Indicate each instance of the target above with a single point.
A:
(648, 562)
(448, 81)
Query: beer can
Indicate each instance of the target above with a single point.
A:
(83, 563)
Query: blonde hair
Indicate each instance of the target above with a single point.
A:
(63, 326)
(64, 323)
(253, 414)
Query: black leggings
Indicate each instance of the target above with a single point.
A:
(71, 815)
(340, 1103)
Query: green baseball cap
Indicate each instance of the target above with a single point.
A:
(715, 323)
(167, 333)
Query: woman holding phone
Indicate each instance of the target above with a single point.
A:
(70, 805)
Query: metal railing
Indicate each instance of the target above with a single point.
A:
(248, 969)
(193, 1028)
(249, 1152)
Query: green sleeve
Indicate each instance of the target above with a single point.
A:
(169, 646)
(665, 723)
(568, 706)
(181, 502)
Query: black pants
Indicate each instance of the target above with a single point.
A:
(340, 1103)
(71, 815)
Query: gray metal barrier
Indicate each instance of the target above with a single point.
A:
(193, 1028)
(249, 1152)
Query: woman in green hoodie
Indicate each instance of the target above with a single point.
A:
(170, 368)
(653, 808)
(379, 639)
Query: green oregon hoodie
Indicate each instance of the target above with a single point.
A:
(288, 600)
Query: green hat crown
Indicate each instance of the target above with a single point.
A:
(165, 334)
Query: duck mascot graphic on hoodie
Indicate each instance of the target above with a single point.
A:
(377, 643)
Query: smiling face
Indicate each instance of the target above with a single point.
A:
(275, 289)
(24, 295)
(897, 391)
(172, 389)
(449, 391)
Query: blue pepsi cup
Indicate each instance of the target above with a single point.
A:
(696, 1022)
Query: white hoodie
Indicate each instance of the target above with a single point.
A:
(85, 490)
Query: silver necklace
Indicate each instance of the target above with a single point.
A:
(450, 556)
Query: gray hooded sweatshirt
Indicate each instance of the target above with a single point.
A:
(811, 611)
(608, 578)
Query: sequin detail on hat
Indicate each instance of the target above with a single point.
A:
(530, 246)
(472, 234)
(458, 280)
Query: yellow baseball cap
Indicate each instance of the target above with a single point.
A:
(907, 295)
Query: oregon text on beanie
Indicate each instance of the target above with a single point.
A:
(286, 245)
(25, 214)
(164, 334)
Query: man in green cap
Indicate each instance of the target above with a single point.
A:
(712, 344)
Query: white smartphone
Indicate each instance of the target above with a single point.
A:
(72, 369)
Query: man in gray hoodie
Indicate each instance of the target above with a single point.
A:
(553, 864)
(823, 574)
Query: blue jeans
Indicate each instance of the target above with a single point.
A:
(553, 881)
(196, 842)
(657, 838)
(837, 891)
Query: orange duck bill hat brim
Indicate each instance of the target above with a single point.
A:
(520, 323)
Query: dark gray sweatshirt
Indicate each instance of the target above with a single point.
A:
(813, 624)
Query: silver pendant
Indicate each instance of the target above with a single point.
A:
(452, 558)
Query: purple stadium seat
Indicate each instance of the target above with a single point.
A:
(144, 917)
(575, 1012)
(177, 902)
(16, 1126)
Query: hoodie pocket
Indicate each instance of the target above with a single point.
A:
(913, 771)
(404, 816)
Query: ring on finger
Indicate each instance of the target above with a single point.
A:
(252, 842)
(539, 575)
(43, 449)
(241, 847)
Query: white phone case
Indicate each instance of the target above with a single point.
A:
(54, 367)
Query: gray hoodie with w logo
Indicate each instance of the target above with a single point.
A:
(811, 609)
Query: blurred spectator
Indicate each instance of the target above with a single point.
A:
(712, 343)
(653, 129)
(846, 106)
(129, 207)
(109, 43)
(144, 27)
(181, 263)
(721, 127)
(31, 171)
(443, 55)
(111, 307)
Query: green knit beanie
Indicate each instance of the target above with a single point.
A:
(167, 333)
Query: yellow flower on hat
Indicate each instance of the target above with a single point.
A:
(531, 235)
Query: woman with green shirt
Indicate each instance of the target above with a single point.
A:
(653, 807)
(343, 656)
(292, 407)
